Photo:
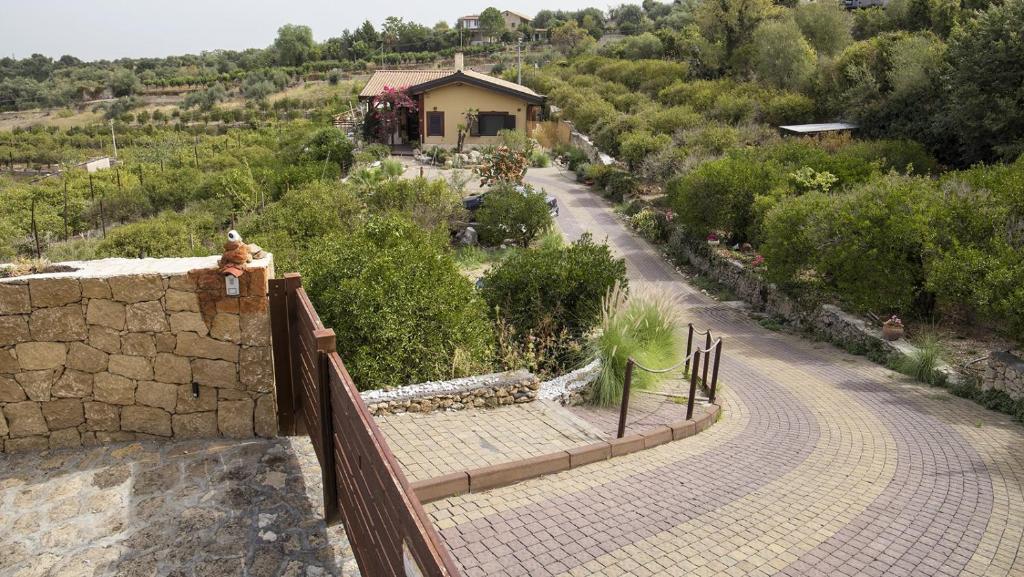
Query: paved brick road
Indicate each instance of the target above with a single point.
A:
(432, 444)
(823, 464)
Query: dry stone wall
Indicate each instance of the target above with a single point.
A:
(125, 349)
(481, 391)
(1004, 372)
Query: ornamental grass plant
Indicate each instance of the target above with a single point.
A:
(643, 326)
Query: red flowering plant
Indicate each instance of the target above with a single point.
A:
(387, 111)
(758, 261)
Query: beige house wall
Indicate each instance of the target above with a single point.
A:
(455, 99)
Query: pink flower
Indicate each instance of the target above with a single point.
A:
(758, 260)
(712, 236)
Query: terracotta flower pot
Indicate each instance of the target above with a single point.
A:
(892, 332)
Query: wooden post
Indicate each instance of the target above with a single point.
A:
(624, 409)
(714, 372)
(689, 344)
(693, 384)
(282, 295)
(325, 344)
(707, 357)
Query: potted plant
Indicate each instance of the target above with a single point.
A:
(713, 239)
(892, 329)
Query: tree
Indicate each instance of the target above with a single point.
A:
(294, 44)
(492, 23)
(826, 25)
(781, 56)
(630, 19)
(986, 84)
(731, 22)
(123, 82)
(570, 39)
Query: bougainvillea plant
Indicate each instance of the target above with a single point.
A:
(503, 166)
(387, 111)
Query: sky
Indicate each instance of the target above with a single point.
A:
(108, 29)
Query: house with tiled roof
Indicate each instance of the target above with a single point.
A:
(448, 98)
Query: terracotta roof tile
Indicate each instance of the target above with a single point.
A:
(399, 79)
(406, 78)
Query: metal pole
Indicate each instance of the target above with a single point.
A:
(714, 372)
(65, 208)
(625, 398)
(113, 137)
(519, 58)
(693, 384)
(689, 345)
(707, 355)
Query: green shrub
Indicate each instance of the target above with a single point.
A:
(619, 184)
(167, 235)
(789, 108)
(401, 310)
(719, 195)
(540, 159)
(508, 214)
(551, 289)
(429, 203)
(643, 328)
(375, 151)
(637, 146)
(645, 223)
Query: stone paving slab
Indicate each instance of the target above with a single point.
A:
(181, 509)
(432, 444)
(822, 464)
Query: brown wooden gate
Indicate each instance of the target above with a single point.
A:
(364, 487)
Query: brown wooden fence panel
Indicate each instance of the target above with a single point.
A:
(364, 486)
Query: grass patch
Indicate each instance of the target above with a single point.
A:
(770, 324)
(643, 327)
(923, 364)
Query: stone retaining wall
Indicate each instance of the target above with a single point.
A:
(826, 321)
(491, 390)
(1005, 372)
(117, 349)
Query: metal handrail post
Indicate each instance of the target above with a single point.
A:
(714, 372)
(689, 345)
(625, 398)
(693, 384)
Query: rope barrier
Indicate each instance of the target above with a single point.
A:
(680, 363)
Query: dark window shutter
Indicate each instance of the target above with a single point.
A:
(435, 124)
(510, 122)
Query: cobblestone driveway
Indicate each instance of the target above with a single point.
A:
(207, 508)
(823, 464)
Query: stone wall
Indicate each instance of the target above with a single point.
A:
(491, 390)
(1004, 372)
(826, 321)
(124, 349)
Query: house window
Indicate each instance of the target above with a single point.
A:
(489, 123)
(435, 124)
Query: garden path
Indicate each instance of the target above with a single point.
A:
(434, 444)
(822, 464)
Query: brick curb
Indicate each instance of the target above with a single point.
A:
(494, 476)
